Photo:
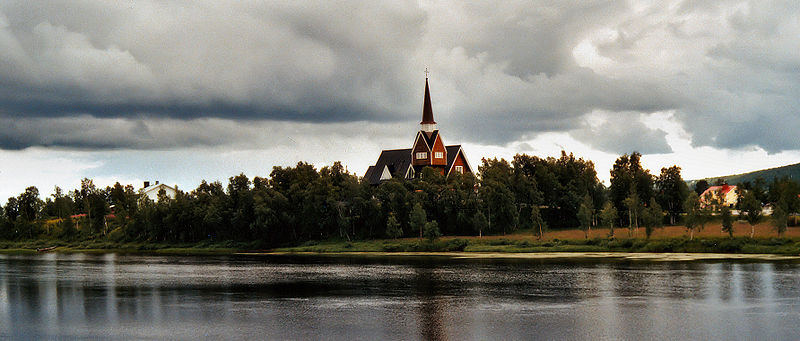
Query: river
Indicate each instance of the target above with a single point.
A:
(130, 296)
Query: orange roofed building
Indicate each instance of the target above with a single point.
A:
(428, 150)
(726, 194)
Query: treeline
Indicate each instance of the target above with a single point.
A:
(301, 203)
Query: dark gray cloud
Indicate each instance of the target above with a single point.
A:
(622, 133)
(84, 74)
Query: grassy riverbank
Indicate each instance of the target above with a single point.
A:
(102, 246)
(781, 246)
(672, 239)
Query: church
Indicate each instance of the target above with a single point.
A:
(428, 150)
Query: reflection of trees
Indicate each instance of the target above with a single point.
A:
(431, 309)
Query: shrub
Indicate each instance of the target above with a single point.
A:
(456, 245)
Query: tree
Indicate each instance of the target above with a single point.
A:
(634, 206)
(393, 229)
(696, 216)
(608, 215)
(700, 187)
(671, 191)
(417, 218)
(432, 230)
(11, 210)
(29, 203)
(785, 197)
(627, 177)
(556, 185)
(499, 203)
(727, 220)
(751, 210)
(537, 221)
(779, 219)
(585, 215)
(653, 217)
(479, 223)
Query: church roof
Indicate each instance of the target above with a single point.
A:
(452, 151)
(397, 160)
(430, 137)
(427, 109)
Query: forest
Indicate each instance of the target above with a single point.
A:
(301, 203)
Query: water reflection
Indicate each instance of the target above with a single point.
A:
(134, 297)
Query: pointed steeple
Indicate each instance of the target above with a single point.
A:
(428, 124)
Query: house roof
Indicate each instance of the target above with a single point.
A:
(724, 189)
(156, 187)
(427, 109)
(395, 160)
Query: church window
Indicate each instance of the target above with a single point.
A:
(422, 155)
(460, 169)
(438, 155)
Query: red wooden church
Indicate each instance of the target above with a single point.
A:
(428, 150)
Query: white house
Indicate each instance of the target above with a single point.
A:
(151, 191)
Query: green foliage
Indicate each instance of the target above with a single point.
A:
(652, 217)
(538, 222)
(751, 209)
(417, 218)
(671, 191)
(297, 204)
(779, 219)
(631, 186)
(608, 216)
(585, 215)
(393, 229)
(29, 204)
(479, 223)
(558, 185)
(11, 210)
(701, 186)
(432, 230)
(696, 215)
(727, 220)
(634, 208)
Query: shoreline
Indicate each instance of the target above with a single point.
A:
(456, 255)
(640, 256)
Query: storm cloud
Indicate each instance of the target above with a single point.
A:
(164, 75)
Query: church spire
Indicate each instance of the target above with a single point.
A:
(428, 124)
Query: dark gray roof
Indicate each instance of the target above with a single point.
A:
(430, 138)
(397, 160)
(452, 151)
(368, 174)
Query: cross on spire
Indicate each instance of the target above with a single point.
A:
(426, 73)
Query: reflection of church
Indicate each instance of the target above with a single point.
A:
(428, 150)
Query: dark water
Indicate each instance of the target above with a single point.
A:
(78, 296)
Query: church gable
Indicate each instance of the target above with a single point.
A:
(439, 153)
(421, 152)
(457, 161)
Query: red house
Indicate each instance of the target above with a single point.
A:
(428, 150)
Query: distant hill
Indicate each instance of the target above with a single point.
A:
(791, 171)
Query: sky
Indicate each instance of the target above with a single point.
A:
(180, 91)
